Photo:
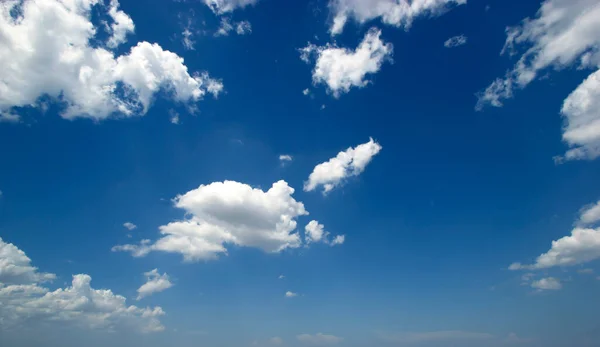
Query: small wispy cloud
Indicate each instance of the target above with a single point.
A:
(129, 226)
(456, 41)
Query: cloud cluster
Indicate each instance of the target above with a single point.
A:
(341, 68)
(398, 13)
(348, 163)
(564, 33)
(232, 213)
(548, 283)
(155, 283)
(582, 246)
(49, 47)
(24, 301)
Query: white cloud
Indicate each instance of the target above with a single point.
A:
(187, 39)
(121, 26)
(315, 232)
(155, 283)
(16, 268)
(173, 117)
(563, 33)
(455, 41)
(341, 68)
(224, 6)
(289, 294)
(590, 214)
(227, 26)
(229, 212)
(285, 157)
(9, 117)
(351, 162)
(319, 339)
(585, 271)
(277, 341)
(398, 13)
(243, 28)
(129, 226)
(49, 47)
(581, 110)
(435, 336)
(281, 277)
(549, 283)
(581, 247)
(24, 301)
(306, 91)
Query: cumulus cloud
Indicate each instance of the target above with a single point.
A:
(581, 111)
(582, 246)
(229, 212)
(16, 268)
(290, 295)
(351, 162)
(549, 283)
(455, 41)
(129, 226)
(226, 26)
(51, 56)
(155, 283)
(341, 68)
(563, 33)
(315, 233)
(224, 6)
(319, 339)
(590, 214)
(398, 13)
(24, 301)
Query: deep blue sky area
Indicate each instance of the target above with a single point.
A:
(431, 224)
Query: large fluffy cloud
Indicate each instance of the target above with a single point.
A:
(23, 301)
(47, 51)
(155, 283)
(582, 246)
(351, 162)
(399, 13)
(229, 212)
(341, 68)
(564, 33)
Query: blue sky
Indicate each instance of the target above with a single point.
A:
(299, 173)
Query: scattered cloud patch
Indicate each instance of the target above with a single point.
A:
(50, 49)
(281, 277)
(455, 41)
(224, 6)
(563, 34)
(227, 26)
(306, 91)
(25, 301)
(590, 214)
(285, 158)
(351, 162)
(155, 283)
(315, 233)
(129, 226)
(398, 13)
(276, 341)
(549, 283)
(319, 339)
(9, 117)
(174, 117)
(228, 212)
(290, 295)
(435, 336)
(340, 69)
(585, 271)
